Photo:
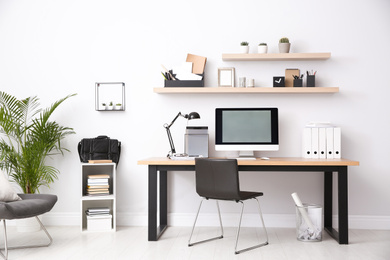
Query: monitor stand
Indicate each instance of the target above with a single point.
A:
(246, 155)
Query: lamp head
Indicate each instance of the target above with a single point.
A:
(192, 115)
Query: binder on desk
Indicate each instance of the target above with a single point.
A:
(307, 142)
(322, 142)
(329, 143)
(314, 143)
(337, 142)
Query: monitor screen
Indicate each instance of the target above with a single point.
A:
(246, 129)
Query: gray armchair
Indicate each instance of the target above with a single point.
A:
(31, 205)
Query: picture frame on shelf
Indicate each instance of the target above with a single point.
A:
(226, 77)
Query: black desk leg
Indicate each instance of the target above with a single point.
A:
(152, 201)
(328, 200)
(155, 232)
(342, 176)
(343, 204)
(163, 202)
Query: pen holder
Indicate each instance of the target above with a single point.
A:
(310, 81)
(298, 82)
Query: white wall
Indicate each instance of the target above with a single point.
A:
(54, 48)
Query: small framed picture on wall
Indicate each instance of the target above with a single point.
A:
(225, 77)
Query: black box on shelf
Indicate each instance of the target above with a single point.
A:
(278, 82)
(298, 82)
(310, 81)
(184, 83)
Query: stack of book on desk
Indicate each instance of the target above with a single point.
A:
(98, 184)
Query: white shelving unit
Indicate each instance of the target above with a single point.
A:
(98, 201)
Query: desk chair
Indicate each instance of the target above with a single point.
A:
(218, 179)
(31, 205)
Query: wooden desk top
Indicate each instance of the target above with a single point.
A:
(281, 161)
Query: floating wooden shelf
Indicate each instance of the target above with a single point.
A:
(275, 56)
(256, 90)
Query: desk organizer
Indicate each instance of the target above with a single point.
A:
(310, 81)
(298, 82)
(184, 83)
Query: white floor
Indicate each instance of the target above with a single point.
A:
(131, 243)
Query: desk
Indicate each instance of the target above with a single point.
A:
(162, 165)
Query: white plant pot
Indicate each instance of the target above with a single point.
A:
(284, 47)
(262, 49)
(118, 107)
(110, 107)
(244, 49)
(27, 225)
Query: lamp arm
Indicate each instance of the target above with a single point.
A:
(173, 121)
(170, 140)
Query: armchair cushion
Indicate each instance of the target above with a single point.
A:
(6, 191)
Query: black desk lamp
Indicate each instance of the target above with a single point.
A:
(190, 116)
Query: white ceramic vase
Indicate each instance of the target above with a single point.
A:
(284, 47)
(262, 48)
(244, 49)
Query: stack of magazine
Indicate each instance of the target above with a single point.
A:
(98, 212)
(98, 184)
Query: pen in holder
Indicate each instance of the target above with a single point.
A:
(310, 81)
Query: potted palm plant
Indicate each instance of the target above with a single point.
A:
(28, 137)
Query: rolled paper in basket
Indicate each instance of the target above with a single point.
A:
(303, 211)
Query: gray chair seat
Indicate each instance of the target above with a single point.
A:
(31, 205)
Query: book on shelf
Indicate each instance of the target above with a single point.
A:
(98, 184)
(99, 176)
(98, 212)
(99, 161)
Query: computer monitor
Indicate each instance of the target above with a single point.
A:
(246, 130)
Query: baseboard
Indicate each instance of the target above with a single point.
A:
(249, 220)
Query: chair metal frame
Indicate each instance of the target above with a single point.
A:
(238, 230)
(6, 247)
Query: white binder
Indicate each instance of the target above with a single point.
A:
(314, 143)
(329, 143)
(337, 142)
(306, 142)
(322, 142)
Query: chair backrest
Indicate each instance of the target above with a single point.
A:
(217, 178)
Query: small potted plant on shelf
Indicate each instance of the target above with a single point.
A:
(110, 106)
(244, 47)
(262, 48)
(118, 106)
(104, 105)
(284, 45)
